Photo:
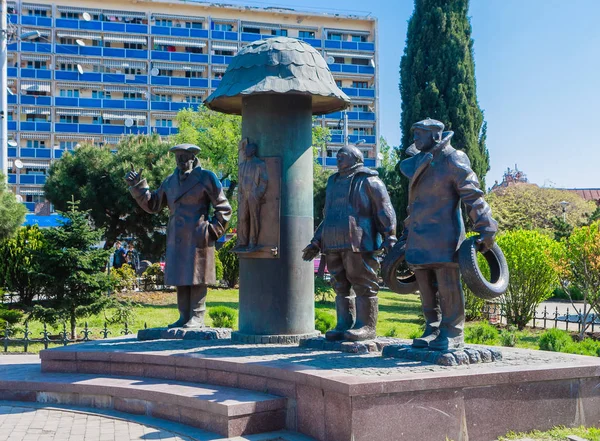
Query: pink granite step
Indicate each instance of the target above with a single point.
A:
(224, 410)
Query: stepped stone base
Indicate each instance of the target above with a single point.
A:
(184, 334)
(257, 339)
(457, 357)
(351, 347)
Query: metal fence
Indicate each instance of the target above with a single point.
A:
(495, 313)
(10, 338)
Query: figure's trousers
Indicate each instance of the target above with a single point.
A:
(353, 270)
(248, 221)
(191, 300)
(441, 290)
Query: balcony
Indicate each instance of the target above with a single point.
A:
(251, 36)
(12, 125)
(70, 49)
(360, 116)
(359, 92)
(314, 42)
(12, 71)
(45, 48)
(332, 162)
(215, 83)
(13, 18)
(352, 69)
(30, 206)
(36, 100)
(221, 59)
(107, 26)
(12, 178)
(32, 179)
(179, 32)
(34, 153)
(224, 35)
(178, 56)
(101, 103)
(179, 81)
(170, 106)
(40, 74)
(165, 131)
(350, 45)
(106, 129)
(12, 99)
(31, 20)
(31, 126)
(353, 139)
(101, 77)
(12, 152)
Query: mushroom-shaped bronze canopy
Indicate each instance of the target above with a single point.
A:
(279, 65)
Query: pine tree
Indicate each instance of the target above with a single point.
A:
(73, 270)
(437, 79)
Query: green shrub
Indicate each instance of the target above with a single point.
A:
(473, 304)
(222, 316)
(481, 333)
(323, 290)
(324, 321)
(508, 337)
(531, 258)
(10, 316)
(153, 275)
(392, 332)
(218, 268)
(555, 340)
(231, 263)
(559, 293)
(123, 278)
(586, 347)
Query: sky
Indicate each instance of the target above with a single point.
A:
(537, 65)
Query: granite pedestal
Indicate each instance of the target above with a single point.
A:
(338, 396)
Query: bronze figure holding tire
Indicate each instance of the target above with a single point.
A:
(440, 179)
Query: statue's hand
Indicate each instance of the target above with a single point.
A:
(310, 252)
(485, 242)
(132, 177)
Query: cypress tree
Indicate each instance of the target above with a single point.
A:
(437, 80)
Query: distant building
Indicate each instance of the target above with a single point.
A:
(589, 194)
(511, 177)
(101, 70)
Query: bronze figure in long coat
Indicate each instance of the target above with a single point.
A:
(191, 235)
(441, 179)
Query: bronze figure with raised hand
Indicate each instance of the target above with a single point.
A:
(359, 221)
(190, 263)
(441, 179)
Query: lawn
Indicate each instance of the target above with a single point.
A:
(555, 434)
(399, 316)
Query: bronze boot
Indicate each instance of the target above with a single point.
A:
(183, 306)
(345, 309)
(366, 319)
(197, 307)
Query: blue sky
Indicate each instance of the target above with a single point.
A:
(537, 69)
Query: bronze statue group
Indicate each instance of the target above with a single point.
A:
(359, 224)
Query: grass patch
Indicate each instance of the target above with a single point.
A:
(555, 434)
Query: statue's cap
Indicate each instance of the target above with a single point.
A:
(429, 124)
(186, 148)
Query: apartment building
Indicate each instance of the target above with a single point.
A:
(101, 70)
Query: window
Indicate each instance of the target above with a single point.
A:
(360, 108)
(69, 93)
(163, 98)
(99, 120)
(193, 99)
(193, 50)
(193, 74)
(360, 61)
(71, 119)
(132, 71)
(35, 171)
(164, 23)
(165, 72)
(70, 41)
(11, 115)
(164, 123)
(35, 144)
(137, 46)
(360, 84)
(36, 118)
(100, 94)
(193, 25)
(223, 27)
(71, 15)
(306, 34)
(279, 32)
(132, 96)
(338, 83)
(37, 13)
(220, 52)
(37, 65)
(335, 37)
(68, 66)
(250, 30)
(339, 60)
(361, 131)
(359, 38)
(69, 145)
(37, 198)
(99, 43)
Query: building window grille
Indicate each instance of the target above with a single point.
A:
(193, 25)
(193, 99)
(137, 46)
(360, 84)
(35, 144)
(164, 123)
(37, 13)
(37, 65)
(68, 145)
(71, 15)
(69, 93)
(220, 52)
(193, 74)
(132, 96)
(70, 119)
(223, 27)
(100, 94)
(164, 23)
(359, 38)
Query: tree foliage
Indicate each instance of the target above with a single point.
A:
(231, 263)
(392, 179)
(20, 265)
(73, 270)
(437, 79)
(529, 207)
(94, 176)
(531, 258)
(12, 212)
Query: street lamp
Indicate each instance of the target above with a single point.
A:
(564, 205)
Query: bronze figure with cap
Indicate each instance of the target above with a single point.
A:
(190, 260)
(440, 179)
(358, 221)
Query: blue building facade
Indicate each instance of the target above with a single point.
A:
(95, 75)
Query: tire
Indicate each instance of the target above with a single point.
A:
(472, 276)
(392, 263)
